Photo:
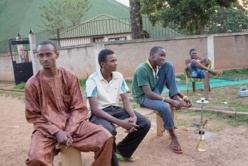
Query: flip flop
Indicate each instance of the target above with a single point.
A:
(176, 148)
(122, 158)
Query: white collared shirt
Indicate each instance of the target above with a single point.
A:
(107, 93)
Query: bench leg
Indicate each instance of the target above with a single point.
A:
(70, 157)
(160, 122)
(160, 125)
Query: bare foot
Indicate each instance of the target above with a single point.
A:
(208, 98)
(182, 103)
(216, 73)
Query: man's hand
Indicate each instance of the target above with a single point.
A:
(188, 101)
(177, 104)
(133, 120)
(63, 138)
(129, 124)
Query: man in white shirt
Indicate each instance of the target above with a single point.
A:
(103, 89)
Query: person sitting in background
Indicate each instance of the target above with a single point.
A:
(200, 68)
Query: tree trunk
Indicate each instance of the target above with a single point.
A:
(136, 20)
(202, 29)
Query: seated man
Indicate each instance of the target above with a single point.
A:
(149, 80)
(54, 105)
(198, 68)
(103, 89)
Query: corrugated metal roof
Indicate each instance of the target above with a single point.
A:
(100, 25)
(21, 15)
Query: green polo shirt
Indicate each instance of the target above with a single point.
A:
(143, 75)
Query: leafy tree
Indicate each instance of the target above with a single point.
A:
(191, 15)
(62, 13)
(228, 20)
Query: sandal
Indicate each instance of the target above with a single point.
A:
(122, 158)
(176, 148)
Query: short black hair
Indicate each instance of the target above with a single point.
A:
(192, 50)
(49, 42)
(155, 49)
(102, 56)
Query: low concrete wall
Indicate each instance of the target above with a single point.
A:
(231, 51)
(6, 68)
(131, 54)
(227, 51)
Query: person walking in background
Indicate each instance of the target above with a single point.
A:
(54, 105)
(103, 89)
(149, 80)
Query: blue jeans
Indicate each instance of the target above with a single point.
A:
(166, 74)
(195, 72)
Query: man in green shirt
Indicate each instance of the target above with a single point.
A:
(149, 80)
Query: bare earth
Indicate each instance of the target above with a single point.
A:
(226, 145)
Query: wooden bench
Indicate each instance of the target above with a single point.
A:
(160, 123)
(70, 157)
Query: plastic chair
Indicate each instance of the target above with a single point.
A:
(188, 78)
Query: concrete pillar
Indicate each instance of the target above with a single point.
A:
(210, 48)
(97, 48)
(32, 43)
(19, 48)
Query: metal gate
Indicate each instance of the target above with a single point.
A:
(22, 66)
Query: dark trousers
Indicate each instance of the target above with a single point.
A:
(130, 143)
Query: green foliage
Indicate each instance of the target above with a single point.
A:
(231, 119)
(236, 71)
(236, 120)
(20, 86)
(82, 83)
(62, 13)
(241, 108)
(227, 20)
(191, 15)
(129, 83)
(135, 105)
(240, 73)
(181, 77)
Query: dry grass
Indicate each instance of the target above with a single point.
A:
(227, 94)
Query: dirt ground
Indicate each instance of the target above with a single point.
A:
(226, 145)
